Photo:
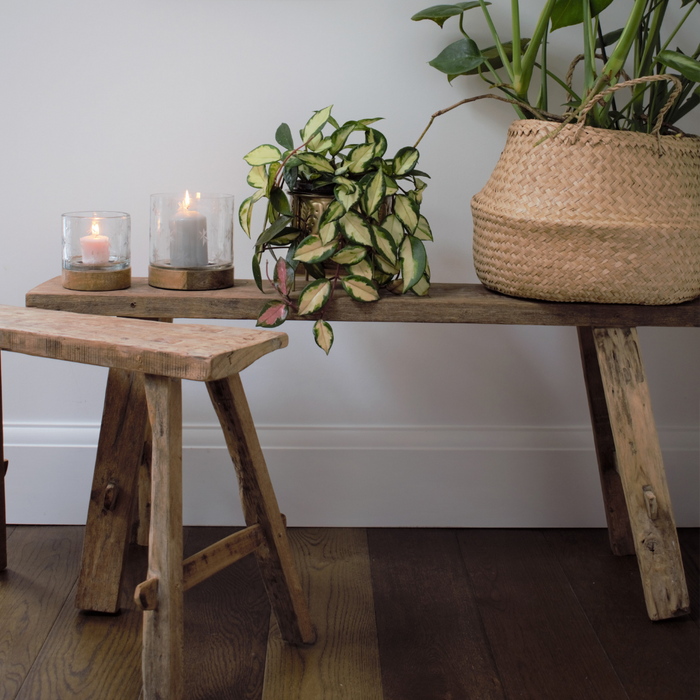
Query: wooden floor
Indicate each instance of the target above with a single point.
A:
(400, 615)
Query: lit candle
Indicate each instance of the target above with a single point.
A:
(188, 237)
(95, 248)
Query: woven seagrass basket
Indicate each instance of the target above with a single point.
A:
(598, 218)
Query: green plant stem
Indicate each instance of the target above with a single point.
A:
(522, 83)
(693, 5)
(497, 41)
(515, 17)
(543, 98)
(557, 79)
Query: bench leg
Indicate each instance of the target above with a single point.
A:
(113, 489)
(260, 506)
(3, 470)
(619, 530)
(642, 472)
(163, 628)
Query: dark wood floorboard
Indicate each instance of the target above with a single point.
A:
(689, 538)
(227, 618)
(41, 571)
(610, 592)
(9, 530)
(543, 643)
(432, 643)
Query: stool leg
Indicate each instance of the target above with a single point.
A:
(3, 470)
(619, 530)
(113, 489)
(260, 506)
(163, 628)
(642, 472)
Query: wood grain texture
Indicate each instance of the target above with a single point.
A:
(447, 303)
(432, 642)
(227, 619)
(608, 590)
(260, 507)
(543, 644)
(195, 352)
(89, 656)
(641, 469)
(343, 663)
(163, 629)
(619, 530)
(119, 451)
(43, 567)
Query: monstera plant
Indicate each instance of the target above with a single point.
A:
(353, 223)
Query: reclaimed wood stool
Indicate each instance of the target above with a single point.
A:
(147, 362)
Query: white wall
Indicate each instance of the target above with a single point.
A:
(106, 102)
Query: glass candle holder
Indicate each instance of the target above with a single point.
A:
(191, 241)
(96, 250)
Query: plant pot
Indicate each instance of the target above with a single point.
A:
(598, 218)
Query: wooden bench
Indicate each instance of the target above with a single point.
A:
(635, 492)
(147, 362)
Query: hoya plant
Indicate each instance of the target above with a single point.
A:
(643, 50)
(370, 234)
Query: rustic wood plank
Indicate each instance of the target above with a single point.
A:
(651, 660)
(642, 472)
(260, 507)
(89, 656)
(195, 352)
(200, 566)
(3, 470)
(619, 530)
(163, 629)
(689, 539)
(425, 610)
(344, 661)
(124, 420)
(143, 505)
(542, 642)
(227, 619)
(447, 303)
(43, 567)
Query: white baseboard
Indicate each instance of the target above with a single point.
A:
(374, 476)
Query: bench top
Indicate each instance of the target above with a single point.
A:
(447, 303)
(198, 352)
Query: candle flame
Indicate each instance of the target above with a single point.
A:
(95, 229)
(186, 202)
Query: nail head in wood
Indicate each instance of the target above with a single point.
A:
(146, 594)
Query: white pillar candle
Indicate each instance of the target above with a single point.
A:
(95, 248)
(188, 237)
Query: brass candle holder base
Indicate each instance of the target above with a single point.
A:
(96, 280)
(189, 279)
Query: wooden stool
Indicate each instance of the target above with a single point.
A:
(147, 362)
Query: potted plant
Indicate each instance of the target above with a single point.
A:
(602, 202)
(353, 222)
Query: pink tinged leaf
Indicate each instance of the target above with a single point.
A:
(273, 314)
(281, 276)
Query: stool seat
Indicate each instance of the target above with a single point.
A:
(143, 405)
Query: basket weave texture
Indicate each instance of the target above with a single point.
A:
(599, 218)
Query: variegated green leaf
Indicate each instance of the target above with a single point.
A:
(244, 215)
(316, 162)
(283, 277)
(363, 268)
(257, 177)
(279, 201)
(347, 195)
(427, 270)
(412, 258)
(262, 155)
(423, 231)
(396, 287)
(378, 140)
(374, 193)
(257, 275)
(323, 335)
(328, 232)
(407, 211)
(272, 174)
(392, 224)
(405, 160)
(360, 157)
(273, 230)
(381, 278)
(360, 288)
(314, 296)
(418, 192)
(283, 136)
(384, 243)
(340, 136)
(322, 146)
(313, 250)
(350, 255)
(342, 169)
(332, 212)
(316, 123)
(355, 229)
(287, 236)
(391, 187)
(315, 142)
(382, 264)
(272, 314)
(421, 287)
(367, 122)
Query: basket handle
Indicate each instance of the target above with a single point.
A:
(677, 87)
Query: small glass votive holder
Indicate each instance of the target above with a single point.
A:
(96, 250)
(191, 241)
